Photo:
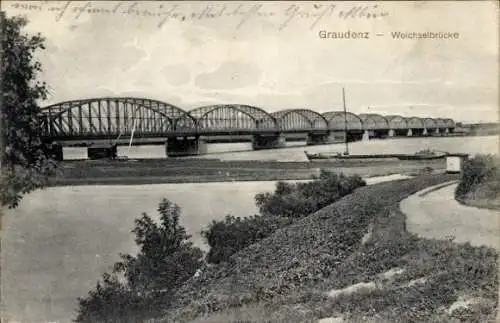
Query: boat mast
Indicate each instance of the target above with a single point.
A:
(345, 124)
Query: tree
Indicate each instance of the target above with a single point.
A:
(165, 261)
(25, 163)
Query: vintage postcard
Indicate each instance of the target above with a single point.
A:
(272, 161)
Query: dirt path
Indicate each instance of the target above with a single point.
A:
(434, 213)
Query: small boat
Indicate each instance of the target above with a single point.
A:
(425, 154)
(339, 156)
(322, 156)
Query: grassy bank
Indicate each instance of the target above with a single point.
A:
(486, 195)
(284, 276)
(199, 171)
(479, 185)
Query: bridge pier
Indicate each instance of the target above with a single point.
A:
(354, 135)
(101, 151)
(398, 132)
(185, 146)
(321, 139)
(381, 133)
(417, 132)
(435, 132)
(369, 134)
(268, 141)
(339, 136)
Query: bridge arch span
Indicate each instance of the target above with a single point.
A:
(440, 123)
(415, 123)
(292, 119)
(397, 122)
(372, 121)
(115, 116)
(233, 117)
(336, 120)
(429, 123)
(450, 123)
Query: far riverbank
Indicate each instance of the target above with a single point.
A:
(143, 172)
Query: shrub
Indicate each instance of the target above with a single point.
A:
(278, 209)
(112, 301)
(166, 260)
(234, 233)
(302, 199)
(482, 168)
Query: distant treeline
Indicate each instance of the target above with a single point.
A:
(491, 128)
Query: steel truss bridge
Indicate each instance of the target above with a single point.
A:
(125, 117)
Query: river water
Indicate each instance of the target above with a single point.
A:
(295, 150)
(60, 240)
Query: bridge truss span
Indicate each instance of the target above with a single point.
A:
(300, 119)
(397, 122)
(233, 118)
(372, 121)
(113, 117)
(440, 123)
(415, 123)
(449, 123)
(121, 118)
(336, 121)
(430, 123)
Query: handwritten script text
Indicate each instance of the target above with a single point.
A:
(164, 12)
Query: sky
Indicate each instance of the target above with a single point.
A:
(271, 55)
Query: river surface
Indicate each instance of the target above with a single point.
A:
(295, 150)
(60, 240)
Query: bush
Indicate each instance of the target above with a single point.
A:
(233, 233)
(165, 261)
(302, 199)
(278, 209)
(112, 301)
(480, 169)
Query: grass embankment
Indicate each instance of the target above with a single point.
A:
(480, 183)
(201, 170)
(283, 278)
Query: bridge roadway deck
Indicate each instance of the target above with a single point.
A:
(145, 140)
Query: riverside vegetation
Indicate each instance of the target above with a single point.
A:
(144, 285)
(480, 184)
(26, 161)
(278, 265)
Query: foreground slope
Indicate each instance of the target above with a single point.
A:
(301, 256)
